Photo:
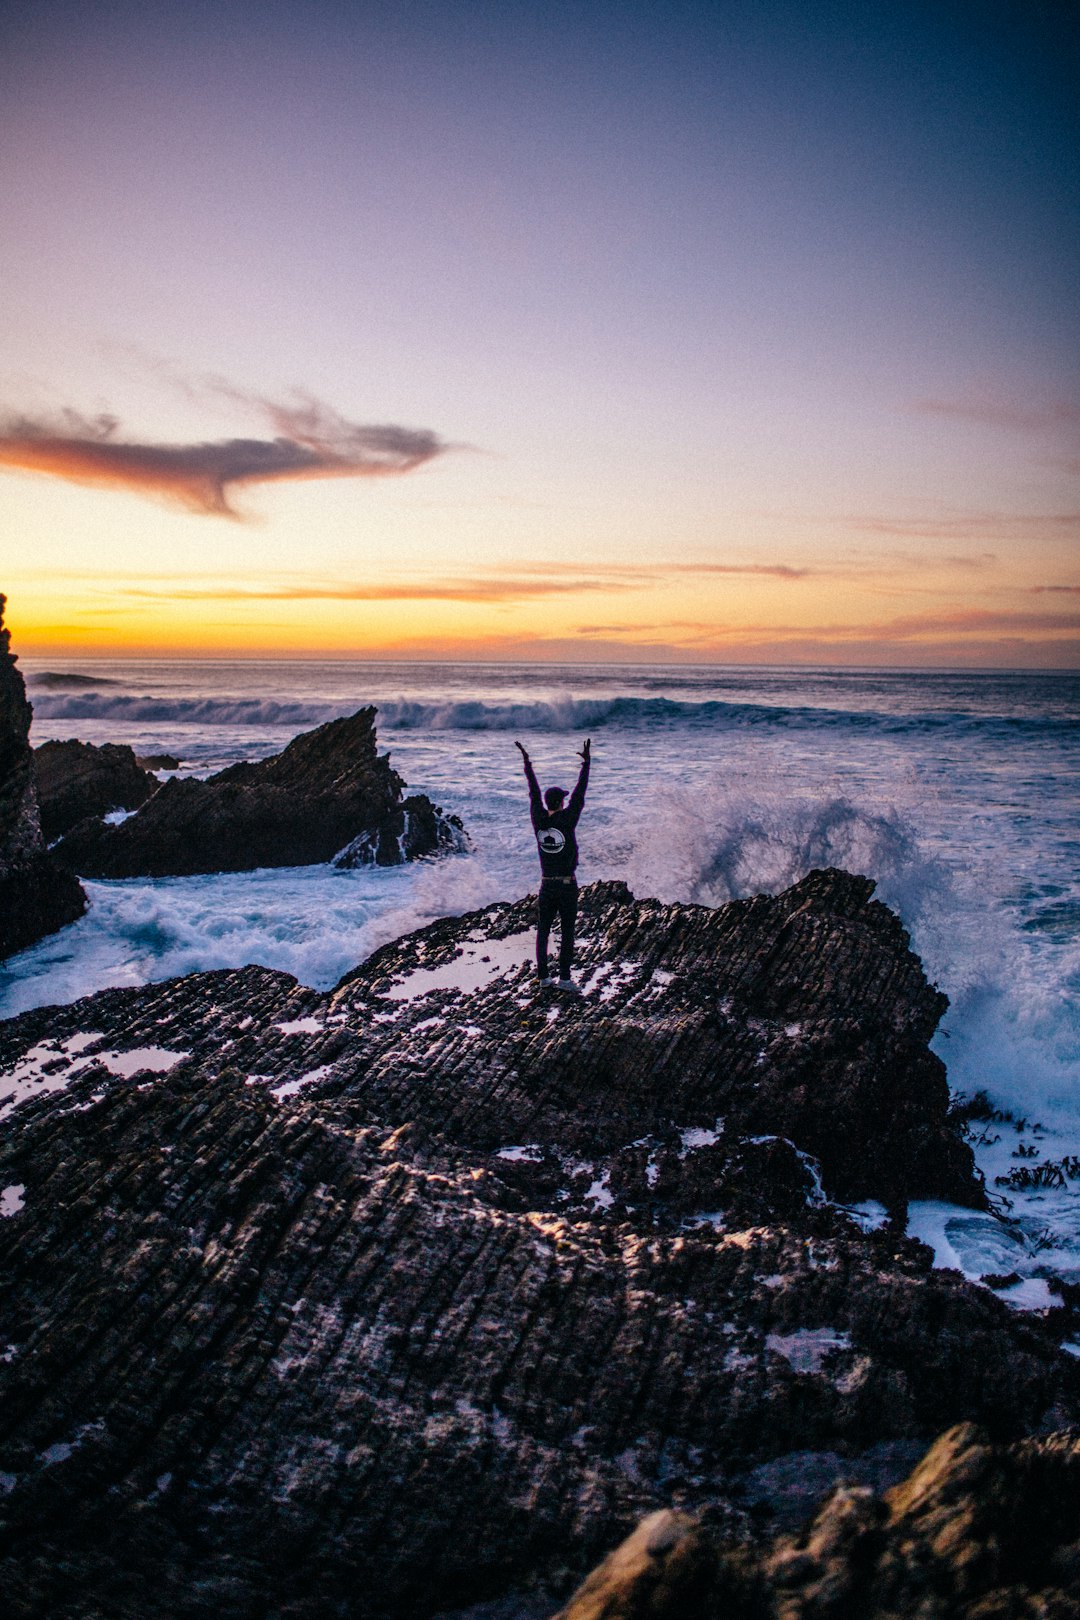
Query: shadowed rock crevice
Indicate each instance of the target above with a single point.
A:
(425, 1290)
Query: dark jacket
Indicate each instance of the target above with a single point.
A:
(554, 829)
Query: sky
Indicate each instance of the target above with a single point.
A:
(738, 332)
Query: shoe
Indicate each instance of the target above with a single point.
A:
(547, 984)
(568, 984)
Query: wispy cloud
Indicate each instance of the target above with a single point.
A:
(964, 621)
(310, 441)
(997, 410)
(495, 588)
(996, 526)
(912, 627)
(649, 573)
(975, 560)
(689, 629)
(768, 570)
(524, 581)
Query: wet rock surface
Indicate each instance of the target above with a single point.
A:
(38, 894)
(421, 1293)
(329, 789)
(76, 779)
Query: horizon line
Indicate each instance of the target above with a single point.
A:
(87, 656)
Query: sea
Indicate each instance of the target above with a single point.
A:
(958, 793)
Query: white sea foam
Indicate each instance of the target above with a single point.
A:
(728, 837)
(1010, 1030)
(980, 1245)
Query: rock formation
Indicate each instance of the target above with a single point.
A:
(328, 793)
(38, 894)
(76, 779)
(978, 1531)
(421, 1292)
(158, 762)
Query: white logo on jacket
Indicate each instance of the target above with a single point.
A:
(551, 840)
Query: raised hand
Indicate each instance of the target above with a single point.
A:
(586, 749)
(521, 750)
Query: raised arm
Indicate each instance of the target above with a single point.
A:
(577, 798)
(536, 803)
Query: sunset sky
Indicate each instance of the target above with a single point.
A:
(736, 332)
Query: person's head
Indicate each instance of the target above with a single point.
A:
(555, 798)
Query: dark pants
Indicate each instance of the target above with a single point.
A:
(556, 900)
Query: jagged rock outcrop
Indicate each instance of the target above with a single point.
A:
(158, 762)
(329, 790)
(977, 1532)
(76, 779)
(423, 1291)
(38, 894)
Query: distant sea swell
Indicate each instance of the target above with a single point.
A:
(62, 681)
(566, 715)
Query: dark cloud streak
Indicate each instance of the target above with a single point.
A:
(311, 441)
(770, 570)
(995, 410)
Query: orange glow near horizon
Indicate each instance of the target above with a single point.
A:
(149, 622)
(392, 573)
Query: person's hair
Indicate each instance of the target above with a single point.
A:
(554, 797)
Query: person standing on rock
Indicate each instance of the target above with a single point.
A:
(554, 823)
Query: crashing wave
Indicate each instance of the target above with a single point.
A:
(544, 715)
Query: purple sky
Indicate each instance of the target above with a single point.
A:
(732, 331)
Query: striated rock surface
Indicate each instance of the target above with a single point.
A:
(977, 1532)
(38, 894)
(328, 792)
(420, 1293)
(76, 779)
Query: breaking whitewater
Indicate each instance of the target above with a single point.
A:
(958, 793)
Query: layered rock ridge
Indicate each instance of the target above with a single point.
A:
(329, 793)
(38, 894)
(423, 1291)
